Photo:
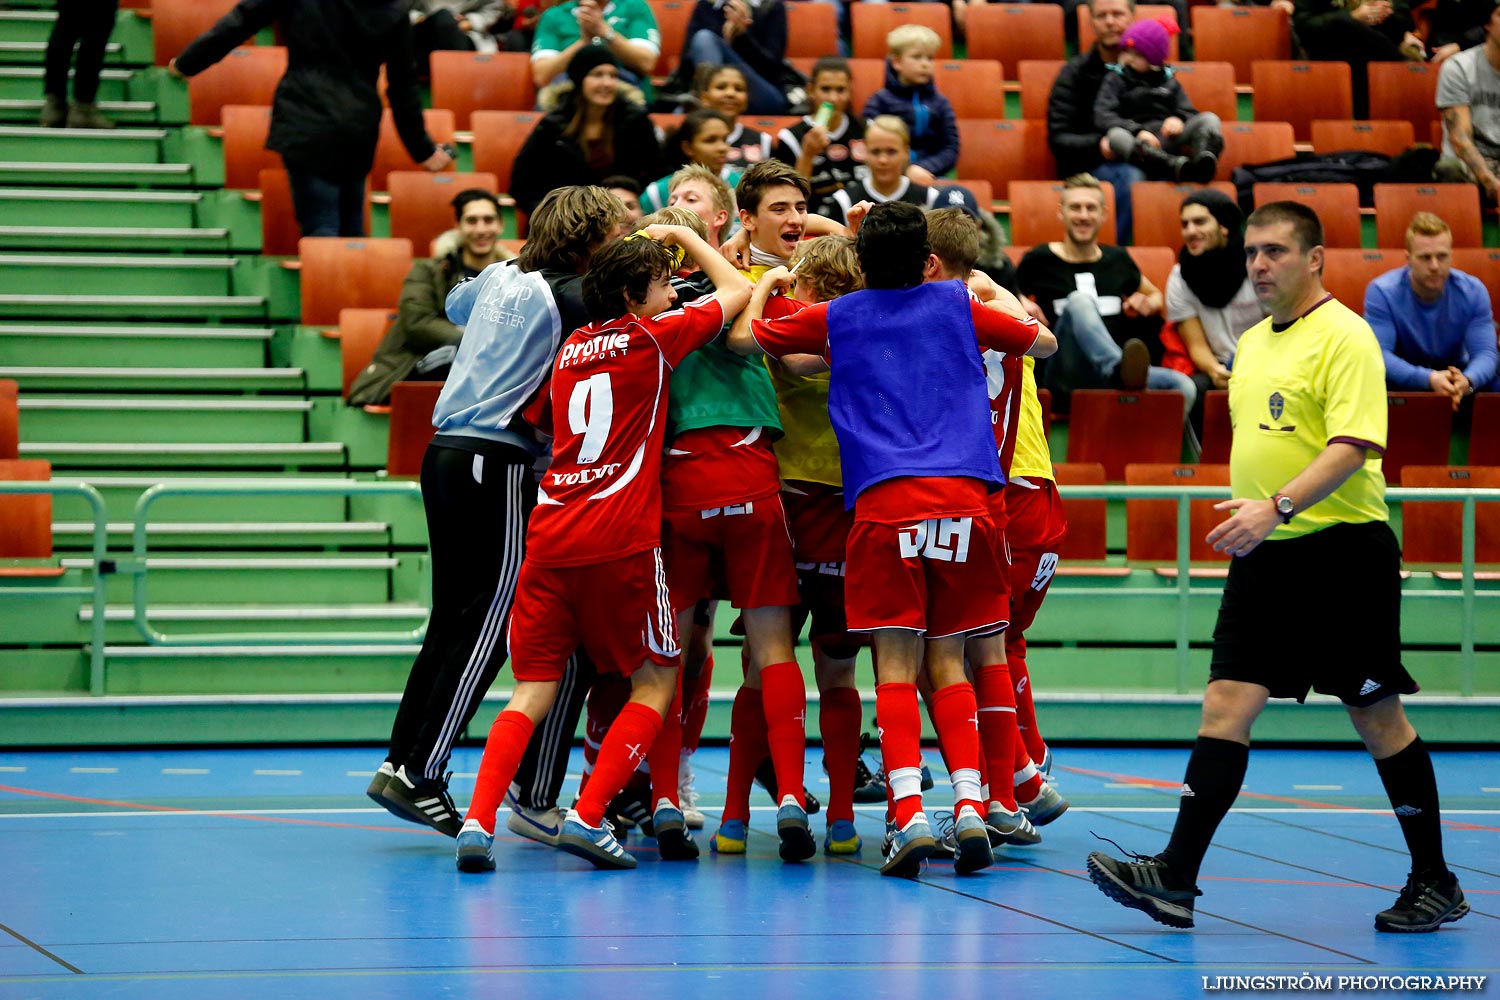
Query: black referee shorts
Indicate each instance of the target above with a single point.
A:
(1319, 612)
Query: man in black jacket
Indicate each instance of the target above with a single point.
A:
(1077, 141)
(325, 118)
(747, 34)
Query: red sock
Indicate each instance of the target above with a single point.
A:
(695, 704)
(839, 710)
(900, 724)
(955, 716)
(666, 753)
(784, 694)
(747, 748)
(629, 740)
(1036, 748)
(997, 731)
(509, 734)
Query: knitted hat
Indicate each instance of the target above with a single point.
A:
(1150, 38)
(588, 59)
(1220, 206)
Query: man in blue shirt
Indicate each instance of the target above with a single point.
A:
(1433, 323)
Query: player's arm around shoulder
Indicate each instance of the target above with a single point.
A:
(731, 288)
(741, 340)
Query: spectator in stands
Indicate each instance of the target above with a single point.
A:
(1468, 94)
(725, 90)
(1180, 13)
(325, 118)
(827, 146)
(595, 132)
(627, 28)
(86, 24)
(910, 95)
(1210, 298)
(887, 154)
(1147, 117)
(1450, 26)
(705, 194)
(749, 35)
(703, 137)
(628, 190)
(1357, 33)
(1077, 141)
(1434, 324)
(421, 343)
(455, 25)
(1106, 315)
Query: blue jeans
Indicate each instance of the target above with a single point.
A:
(328, 206)
(1121, 176)
(1081, 328)
(708, 47)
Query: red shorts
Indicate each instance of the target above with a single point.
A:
(619, 611)
(820, 524)
(742, 551)
(943, 576)
(1036, 528)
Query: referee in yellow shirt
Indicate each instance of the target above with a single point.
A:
(1313, 598)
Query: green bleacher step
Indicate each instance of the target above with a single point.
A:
(240, 619)
(259, 579)
(141, 307)
(138, 221)
(75, 174)
(81, 145)
(275, 535)
(35, 53)
(26, 111)
(19, 83)
(289, 669)
(70, 455)
(133, 209)
(121, 492)
(174, 379)
(127, 346)
(116, 274)
(130, 41)
(111, 238)
(48, 419)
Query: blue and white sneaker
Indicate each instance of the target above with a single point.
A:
(1046, 807)
(797, 843)
(1010, 827)
(594, 844)
(540, 825)
(476, 849)
(910, 846)
(971, 843)
(674, 841)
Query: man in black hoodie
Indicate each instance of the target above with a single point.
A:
(325, 118)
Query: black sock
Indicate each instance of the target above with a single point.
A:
(1412, 788)
(1212, 782)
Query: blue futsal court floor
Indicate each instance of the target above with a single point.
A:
(268, 874)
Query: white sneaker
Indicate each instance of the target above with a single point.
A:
(540, 825)
(687, 794)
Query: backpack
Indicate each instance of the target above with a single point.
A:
(1355, 166)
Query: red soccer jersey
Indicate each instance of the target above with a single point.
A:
(1002, 373)
(718, 466)
(806, 332)
(601, 497)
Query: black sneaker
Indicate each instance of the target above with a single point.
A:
(426, 801)
(1424, 905)
(632, 807)
(1145, 884)
(765, 777)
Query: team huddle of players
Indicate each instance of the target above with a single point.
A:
(880, 475)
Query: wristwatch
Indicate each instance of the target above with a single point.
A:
(1285, 506)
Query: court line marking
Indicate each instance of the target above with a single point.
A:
(12, 769)
(93, 770)
(184, 770)
(271, 772)
(1317, 788)
(41, 951)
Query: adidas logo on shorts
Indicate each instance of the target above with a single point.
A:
(1187, 791)
(1367, 687)
(1408, 811)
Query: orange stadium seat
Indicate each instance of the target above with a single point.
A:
(1347, 272)
(1218, 432)
(983, 192)
(1155, 263)
(245, 152)
(812, 29)
(344, 273)
(1455, 204)
(498, 137)
(975, 87)
(1432, 532)
(1143, 12)
(1087, 537)
(1240, 36)
(390, 151)
(870, 23)
(279, 231)
(244, 76)
(10, 419)
(1116, 428)
(1034, 212)
(1484, 264)
(1255, 142)
(1002, 151)
(1158, 210)
(1037, 77)
(1418, 432)
(672, 17)
(1044, 399)
(1388, 137)
(465, 82)
(27, 519)
(360, 333)
(1405, 91)
(1484, 433)
(422, 202)
(1337, 206)
(175, 23)
(1151, 525)
(1210, 86)
(1011, 32)
(1299, 92)
(411, 426)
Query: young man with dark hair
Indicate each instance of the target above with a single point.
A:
(593, 574)
(1311, 545)
(918, 459)
(829, 153)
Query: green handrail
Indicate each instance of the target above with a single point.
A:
(103, 567)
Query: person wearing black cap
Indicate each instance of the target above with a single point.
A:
(1209, 296)
(595, 133)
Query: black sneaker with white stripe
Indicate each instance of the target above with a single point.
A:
(426, 801)
(1425, 904)
(1145, 884)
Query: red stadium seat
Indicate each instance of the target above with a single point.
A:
(983, 192)
(1155, 263)
(1116, 428)
(1210, 86)
(422, 202)
(390, 151)
(1087, 519)
(26, 519)
(672, 17)
(360, 333)
(175, 23)
(812, 29)
(1151, 525)
(1419, 431)
(245, 152)
(1484, 433)
(1144, 11)
(1158, 210)
(1455, 204)
(870, 23)
(1255, 142)
(340, 273)
(1004, 151)
(10, 419)
(1037, 77)
(1011, 32)
(244, 76)
(1405, 91)
(1337, 206)
(1388, 137)
(279, 231)
(1240, 36)
(1432, 531)
(1346, 273)
(866, 77)
(973, 86)
(1484, 264)
(1299, 92)
(411, 426)
(498, 137)
(1034, 214)
(1218, 433)
(465, 82)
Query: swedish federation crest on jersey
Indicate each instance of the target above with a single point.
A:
(1276, 403)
